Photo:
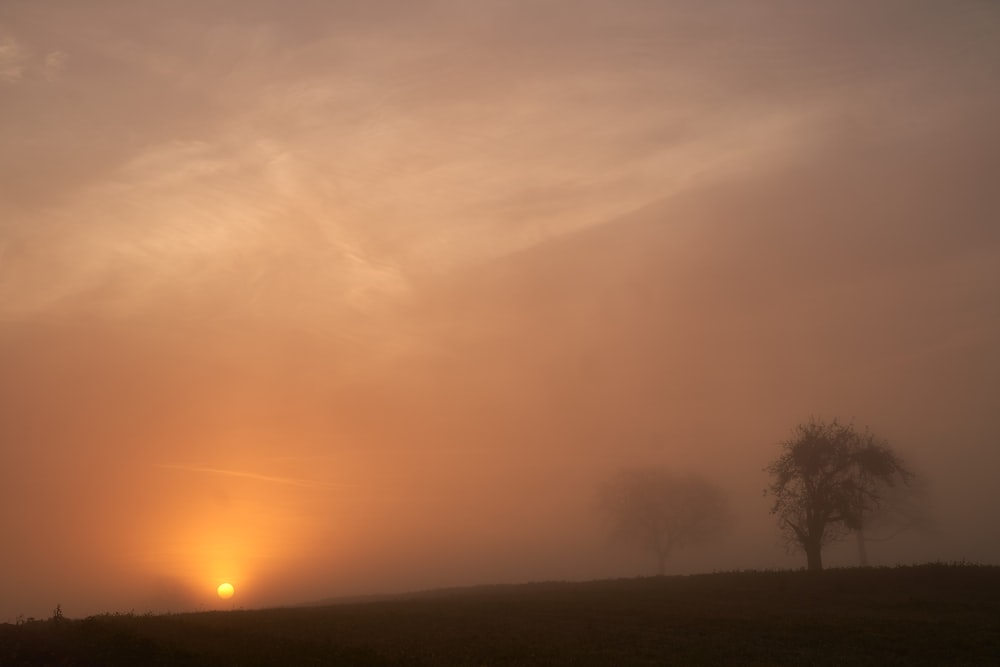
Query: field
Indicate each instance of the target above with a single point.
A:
(921, 615)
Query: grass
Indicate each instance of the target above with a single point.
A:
(920, 615)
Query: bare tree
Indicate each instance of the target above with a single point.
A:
(828, 479)
(659, 511)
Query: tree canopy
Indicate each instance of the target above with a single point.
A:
(829, 477)
(659, 511)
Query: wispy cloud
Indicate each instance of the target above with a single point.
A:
(290, 481)
(13, 60)
(54, 64)
(17, 61)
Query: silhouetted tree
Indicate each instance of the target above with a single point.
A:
(828, 479)
(660, 511)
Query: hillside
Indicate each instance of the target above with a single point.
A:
(922, 615)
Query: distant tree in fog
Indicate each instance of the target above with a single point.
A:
(904, 507)
(659, 512)
(829, 481)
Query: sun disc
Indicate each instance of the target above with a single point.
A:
(225, 591)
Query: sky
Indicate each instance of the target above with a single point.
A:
(336, 298)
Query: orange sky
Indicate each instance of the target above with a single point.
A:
(340, 298)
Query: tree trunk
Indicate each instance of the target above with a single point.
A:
(814, 556)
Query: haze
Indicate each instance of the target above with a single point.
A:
(338, 298)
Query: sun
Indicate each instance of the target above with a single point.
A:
(225, 591)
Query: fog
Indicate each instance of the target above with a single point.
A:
(333, 299)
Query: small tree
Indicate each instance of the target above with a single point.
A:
(828, 479)
(659, 511)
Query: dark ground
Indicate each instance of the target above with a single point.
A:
(923, 615)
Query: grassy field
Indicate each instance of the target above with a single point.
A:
(923, 615)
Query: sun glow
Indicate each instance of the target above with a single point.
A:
(225, 591)
(232, 529)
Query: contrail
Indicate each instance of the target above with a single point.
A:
(291, 481)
